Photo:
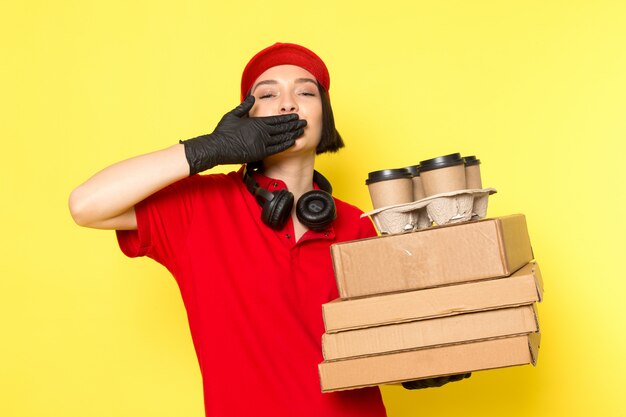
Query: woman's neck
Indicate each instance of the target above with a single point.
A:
(296, 172)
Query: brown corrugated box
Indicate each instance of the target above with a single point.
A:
(429, 362)
(444, 255)
(428, 333)
(523, 287)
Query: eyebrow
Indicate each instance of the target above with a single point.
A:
(274, 82)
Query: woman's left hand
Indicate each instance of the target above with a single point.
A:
(434, 382)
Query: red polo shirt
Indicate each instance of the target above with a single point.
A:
(253, 295)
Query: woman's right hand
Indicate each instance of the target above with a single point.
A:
(239, 139)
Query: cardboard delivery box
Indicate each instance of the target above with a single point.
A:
(427, 333)
(522, 288)
(429, 362)
(470, 251)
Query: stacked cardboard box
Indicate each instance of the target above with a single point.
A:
(441, 301)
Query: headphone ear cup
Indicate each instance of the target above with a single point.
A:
(316, 210)
(276, 211)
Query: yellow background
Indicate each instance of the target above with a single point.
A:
(535, 89)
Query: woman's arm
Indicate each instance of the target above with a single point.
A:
(107, 200)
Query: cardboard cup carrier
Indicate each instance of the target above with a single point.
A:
(440, 192)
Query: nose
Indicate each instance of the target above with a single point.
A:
(288, 104)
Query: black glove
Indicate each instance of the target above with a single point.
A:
(238, 139)
(434, 382)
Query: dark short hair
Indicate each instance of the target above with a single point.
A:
(331, 139)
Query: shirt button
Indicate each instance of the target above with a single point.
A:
(275, 184)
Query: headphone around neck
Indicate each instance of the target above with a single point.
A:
(315, 209)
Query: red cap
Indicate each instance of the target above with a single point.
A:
(283, 54)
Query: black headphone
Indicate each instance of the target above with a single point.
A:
(315, 209)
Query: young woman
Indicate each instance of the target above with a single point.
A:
(249, 249)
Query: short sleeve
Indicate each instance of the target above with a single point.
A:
(163, 220)
(135, 243)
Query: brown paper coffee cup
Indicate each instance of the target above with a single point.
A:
(472, 173)
(418, 189)
(443, 174)
(389, 187)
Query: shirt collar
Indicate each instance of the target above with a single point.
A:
(271, 184)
